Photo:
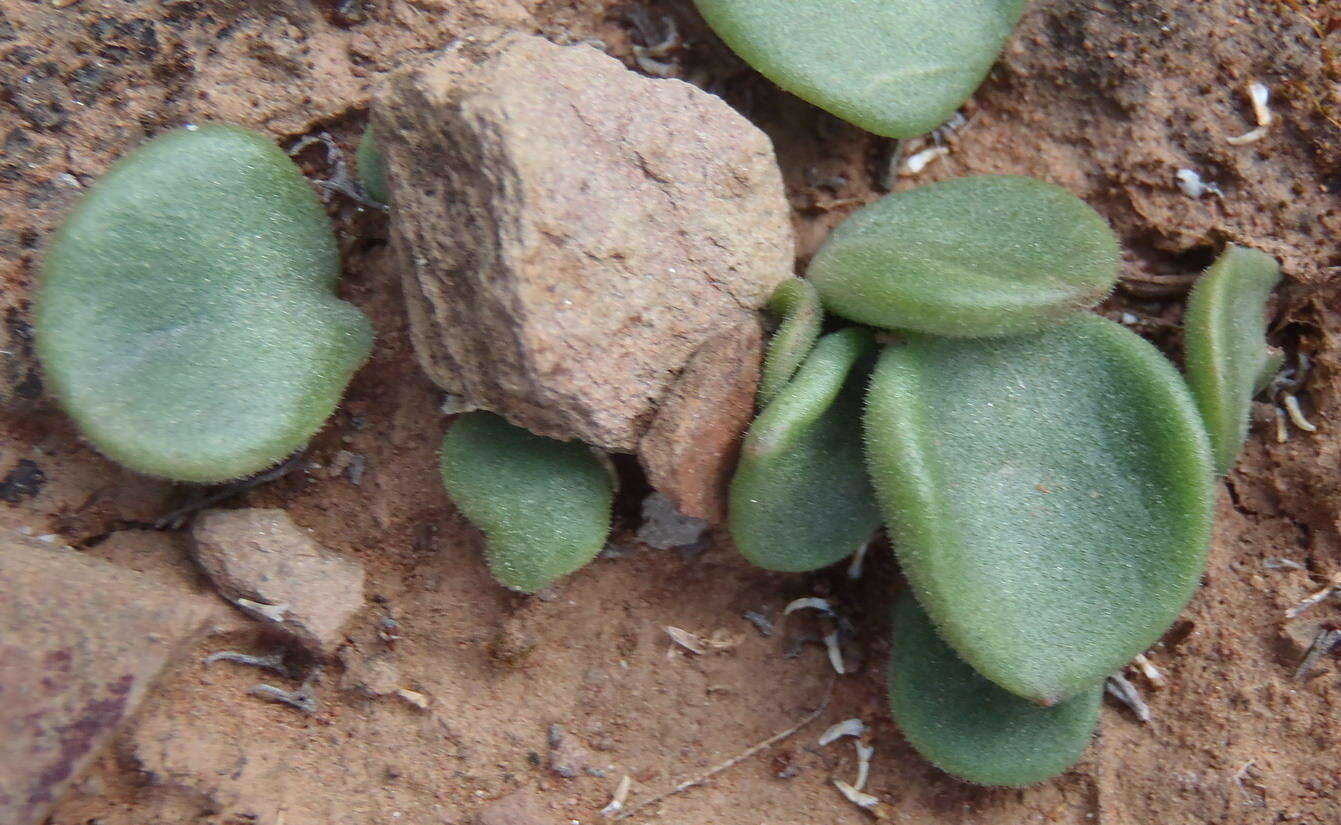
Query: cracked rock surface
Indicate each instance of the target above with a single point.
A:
(570, 232)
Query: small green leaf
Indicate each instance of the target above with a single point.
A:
(372, 167)
(186, 316)
(1049, 496)
(800, 499)
(969, 727)
(543, 505)
(797, 302)
(897, 68)
(971, 257)
(1225, 345)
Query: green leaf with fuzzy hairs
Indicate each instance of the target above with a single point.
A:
(371, 166)
(1048, 495)
(897, 68)
(543, 505)
(971, 257)
(969, 727)
(800, 499)
(1225, 347)
(187, 317)
(798, 304)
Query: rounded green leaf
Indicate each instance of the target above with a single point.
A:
(969, 727)
(371, 167)
(797, 302)
(1049, 496)
(186, 316)
(543, 505)
(1225, 346)
(897, 68)
(800, 499)
(979, 256)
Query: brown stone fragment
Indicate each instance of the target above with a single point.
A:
(81, 641)
(288, 580)
(690, 450)
(571, 232)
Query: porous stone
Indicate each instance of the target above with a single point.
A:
(287, 579)
(81, 641)
(572, 233)
(691, 448)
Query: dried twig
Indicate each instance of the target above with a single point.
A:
(175, 519)
(273, 662)
(737, 759)
(620, 796)
(1313, 598)
(848, 727)
(303, 699)
(1148, 669)
(1323, 642)
(1246, 770)
(1125, 692)
(760, 621)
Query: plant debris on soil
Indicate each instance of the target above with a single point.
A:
(1109, 99)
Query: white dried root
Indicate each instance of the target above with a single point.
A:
(1260, 96)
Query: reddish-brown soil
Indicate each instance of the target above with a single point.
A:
(1109, 98)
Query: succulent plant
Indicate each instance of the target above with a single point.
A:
(1049, 496)
(970, 727)
(798, 305)
(543, 505)
(897, 68)
(186, 316)
(1224, 345)
(800, 498)
(978, 256)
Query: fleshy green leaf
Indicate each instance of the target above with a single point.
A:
(1049, 496)
(799, 306)
(543, 505)
(969, 727)
(971, 257)
(186, 316)
(800, 499)
(372, 167)
(897, 68)
(1225, 346)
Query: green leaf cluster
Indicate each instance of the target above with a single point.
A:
(1045, 475)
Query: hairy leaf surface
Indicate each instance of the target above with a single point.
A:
(970, 727)
(800, 499)
(187, 316)
(1049, 496)
(970, 257)
(543, 505)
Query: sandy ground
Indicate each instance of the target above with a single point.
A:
(1108, 98)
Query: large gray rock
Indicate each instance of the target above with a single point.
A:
(81, 641)
(571, 232)
(267, 565)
